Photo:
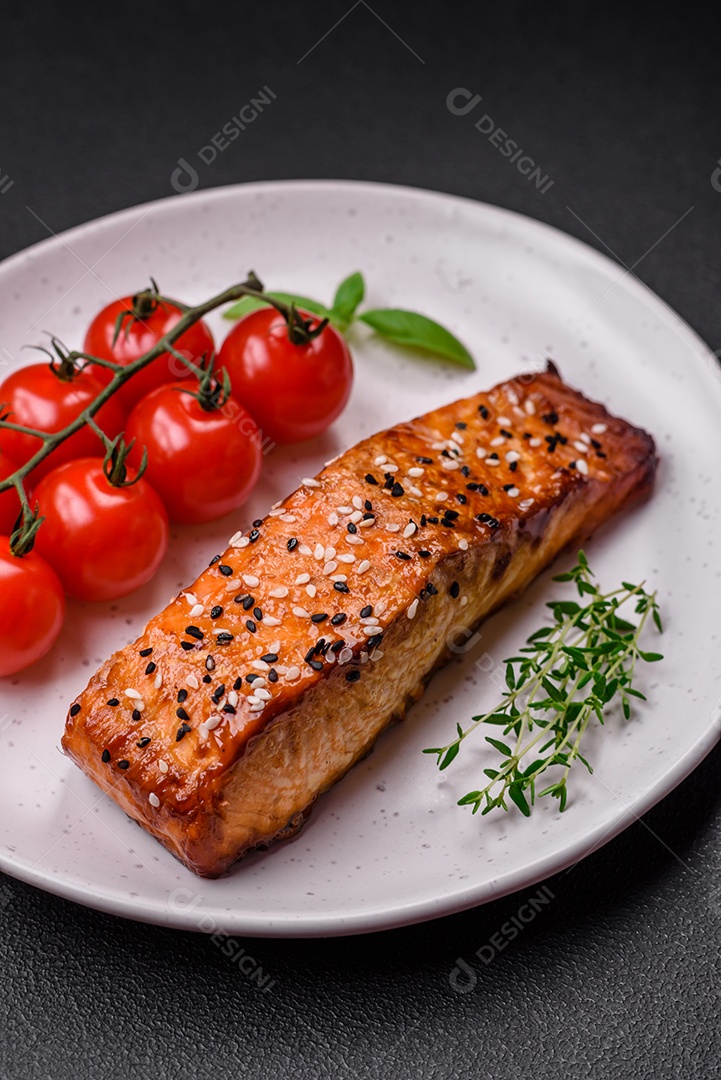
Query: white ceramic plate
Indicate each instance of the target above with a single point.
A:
(387, 846)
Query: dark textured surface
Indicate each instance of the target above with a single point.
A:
(618, 975)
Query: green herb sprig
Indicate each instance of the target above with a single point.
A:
(401, 327)
(567, 674)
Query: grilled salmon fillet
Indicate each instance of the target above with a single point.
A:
(259, 687)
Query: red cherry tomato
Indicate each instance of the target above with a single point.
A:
(203, 464)
(138, 337)
(32, 605)
(293, 391)
(37, 397)
(9, 502)
(103, 541)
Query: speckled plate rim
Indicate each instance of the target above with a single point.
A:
(377, 918)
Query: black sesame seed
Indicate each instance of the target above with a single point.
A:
(258, 614)
(230, 709)
(135, 716)
(112, 702)
(214, 560)
(207, 679)
(369, 517)
(424, 554)
(561, 438)
(472, 486)
(425, 460)
(182, 695)
(253, 535)
(445, 453)
(431, 589)
(181, 714)
(423, 521)
(74, 709)
(506, 434)
(454, 590)
(402, 555)
(269, 657)
(317, 665)
(397, 490)
(146, 652)
(432, 520)
(337, 645)
(366, 611)
(182, 732)
(572, 464)
(219, 691)
(226, 570)
(550, 417)
(482, 489)
(142, 743)
(513, 466)
(310, 654)
(273, 675)
(448, 523)
(374, 641)
(340, 586)
(319, 617)
(463, 499)
(368, 504)
(123, 764)
(508, 487)
(339, 618)
(389, 482)
(248, 602)
(257, 523)
(452, 514)
(150, 668)
(370, 479)
(225, 638)
(483, 411)
(483, 518)
(292, 543)
(187, 645)
(351, 527)
(464, 470)
(105, 757)
(461, 425)
(238, 683)
(250, 625)
(209, 663)
(252, 677)
(216, 612)
(194, 632)
(595, 444)
(600, 453)
(353, 675)
(494, 455)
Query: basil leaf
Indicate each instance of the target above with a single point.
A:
(416, 331)
(250, 303)
(347, 298)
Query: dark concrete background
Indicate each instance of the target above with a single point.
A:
(619, 976)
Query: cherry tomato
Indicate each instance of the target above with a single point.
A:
(37, 397)
(203, 464)
(32, 605)
(103, 541)
(293, 391)
(137, 337)
(9, 502)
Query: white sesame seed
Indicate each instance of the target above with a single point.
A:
(530, 406)
(410, 528)
(301, 613)
(441, 496)
(380, 460)
(412, 609)
(438, 445)
(449, 463)
(380, 607)
(513, 455)
(158, 680)
(277, 504)
(535, 442)
(493, 461)
(243, 542)
(250, 580)
(503, 421)
(191, 598)
(233, 698)
(333, 519)
(356, 516)
(302, 579)
(363, 657)
(581, 447)
(369, 631)
(457, 437)
(347, 557)
(259, 682)
(153, 800)
(253, 699)
(163, 766)
(585, 438)
(481, 452)
(525, 504)
(292, 673)
(464, 601)
(376, 655)
(415, 491)
(416, 471)
(330, 567)
(329, 657)
(271, 620)
(133, 694)
(498, 441)
(278, 592)
(192, 682)
(345, 655)
(354, 539)
(318, 552)
(369, 620)
(290, 518)
(260, 665)
(235, 538)
(366, 523)
(339, 577)
(255, 709)
(304, 550)
(275, 512)
(582, 467)
(357, 502)
(391, 467)
(195, 611)
(513, 493)
(310, 482)
(599, 429)
(393, 527)
(213, 721)
(263, 695)
(345, 509)
(463, 544)
(365, 565)
(311, 590)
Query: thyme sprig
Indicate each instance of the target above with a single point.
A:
(567, 673)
